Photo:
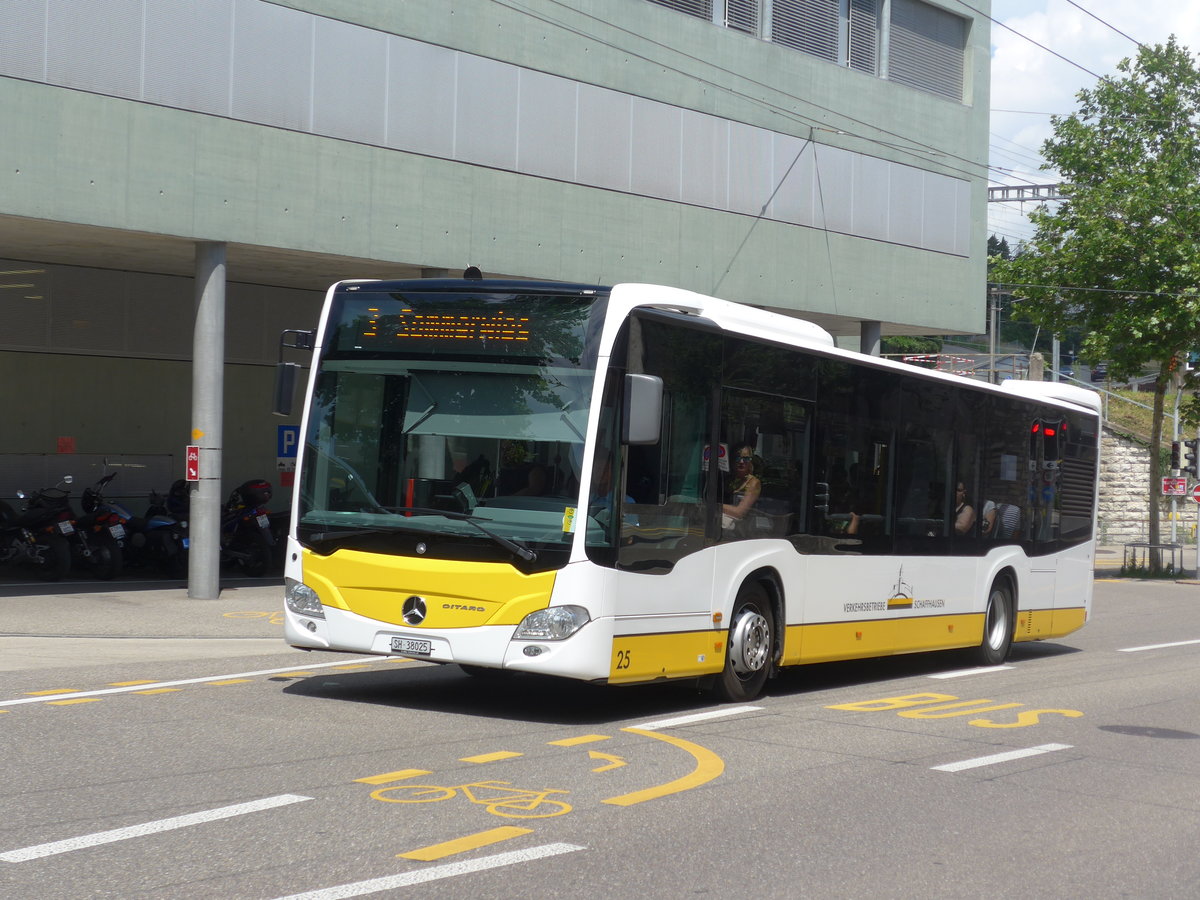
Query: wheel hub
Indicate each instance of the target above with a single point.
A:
(750, 643)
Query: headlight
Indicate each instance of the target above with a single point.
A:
(554, 624)
(302, 599)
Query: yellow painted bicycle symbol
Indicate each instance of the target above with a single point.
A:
(499, 798)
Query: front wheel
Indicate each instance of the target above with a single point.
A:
(751, 646)
(998, 623)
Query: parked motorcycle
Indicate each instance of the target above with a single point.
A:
(154, 539)
(36, 537)
(247, 538)
(93, 544)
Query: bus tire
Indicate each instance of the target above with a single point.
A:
(750, 645)
(999, 619)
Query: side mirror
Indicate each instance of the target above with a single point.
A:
(286, 374)
(643, 409)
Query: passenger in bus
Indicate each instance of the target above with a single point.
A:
(535, 484)
(964, 512)
(743, 489)
(1000, 520)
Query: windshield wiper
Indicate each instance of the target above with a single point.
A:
(510, 545)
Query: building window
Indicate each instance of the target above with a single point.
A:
(701, 9)
(927, 48)
(927, 44)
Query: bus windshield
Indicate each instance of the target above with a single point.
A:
(451, 420)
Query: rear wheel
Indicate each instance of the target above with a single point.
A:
(751, 645)
(54, 554)
(257, 552)
(105, 561)
(998, 622)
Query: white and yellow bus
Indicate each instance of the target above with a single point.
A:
(639, 483)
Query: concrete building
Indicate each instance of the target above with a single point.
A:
(824, 158)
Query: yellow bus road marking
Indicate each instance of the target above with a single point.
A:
(614, 762)
(576, 741)
(355, 666)
(999, 758)
(436, 873)
(463, 844)
(708, 767)
(44, 696)
(40, 851)
(392, 776)
(75, 700)
(160, 691)
(491, 757)
(53, 693)
(129, 683)
(229, 681)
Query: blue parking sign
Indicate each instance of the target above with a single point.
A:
(289, 440)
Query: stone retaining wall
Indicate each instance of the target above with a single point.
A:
(1124, 509)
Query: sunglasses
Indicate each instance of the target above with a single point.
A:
(745, 459)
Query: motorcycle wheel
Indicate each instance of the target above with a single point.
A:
(106, 560)
(54, 557)
(258, 555)
(168, 553)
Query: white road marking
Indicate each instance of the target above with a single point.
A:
(981, 670)
(448, 870)
(1155, 646)
(1000, 757)
(696, 717)
(122, 834)
(163, 684)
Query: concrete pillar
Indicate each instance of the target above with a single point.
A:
(1037, 365)
(868, 340)
(208, 407)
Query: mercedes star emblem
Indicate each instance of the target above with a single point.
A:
(414, 610)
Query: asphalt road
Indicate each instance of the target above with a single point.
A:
(157, 747)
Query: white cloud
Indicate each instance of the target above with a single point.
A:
(1033, 81)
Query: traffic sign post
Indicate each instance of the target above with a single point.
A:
(1196, 497)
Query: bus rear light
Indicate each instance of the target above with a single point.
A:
(301, 599)
(554, 624)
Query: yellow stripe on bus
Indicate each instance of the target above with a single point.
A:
(831, 641)
(457, 594)
(645, 657)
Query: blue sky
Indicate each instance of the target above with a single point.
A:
(1029, 82)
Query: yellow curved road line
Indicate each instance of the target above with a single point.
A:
(708, 767)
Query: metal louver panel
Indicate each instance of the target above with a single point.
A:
(742, 15)
(807, 25)
(701, 9)
(926, 48)
(864, 36)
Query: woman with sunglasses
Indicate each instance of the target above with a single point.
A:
(744, 488)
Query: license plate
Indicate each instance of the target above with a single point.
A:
(117, 531)
(410, 647)
(66, 527)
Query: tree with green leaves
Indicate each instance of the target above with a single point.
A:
(1119, 258)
